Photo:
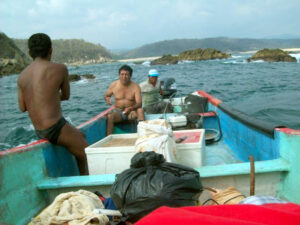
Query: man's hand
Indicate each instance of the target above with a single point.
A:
(127, 110)
(107, 99)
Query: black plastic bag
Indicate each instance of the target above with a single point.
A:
(151, 182)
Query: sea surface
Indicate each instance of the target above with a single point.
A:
(269, 91)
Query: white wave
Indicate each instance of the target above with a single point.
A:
(29, 127)
(235, 62)
(186, 61)
(6, 145)
(258, 61)
(69, 120)
(31, 141)
(237, 56)
(296, 55)
(82, 81)
(146, 63)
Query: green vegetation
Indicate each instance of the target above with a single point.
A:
(223, 44)
(195, 55)
(12, 59)
(73, 51)
(272, 55)
(202, 54)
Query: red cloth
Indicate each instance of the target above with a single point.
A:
(273, 214)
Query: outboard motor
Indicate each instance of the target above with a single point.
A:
(168, 85)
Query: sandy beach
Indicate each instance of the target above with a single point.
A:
(139, 59)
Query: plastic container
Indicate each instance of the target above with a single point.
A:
(191, 151)
(112, 154)
(178, 121)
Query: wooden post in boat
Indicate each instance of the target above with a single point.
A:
(252, 176)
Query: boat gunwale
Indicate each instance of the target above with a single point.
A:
(236, 169)
(35, 144)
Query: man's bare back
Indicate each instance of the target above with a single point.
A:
(42, 85)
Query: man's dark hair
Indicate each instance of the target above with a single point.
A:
(39, 45)
(126, 68)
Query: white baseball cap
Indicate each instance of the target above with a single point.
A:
(153, 73)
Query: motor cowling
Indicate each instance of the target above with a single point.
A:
(168, 85)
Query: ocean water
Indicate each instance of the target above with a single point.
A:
(269, 91)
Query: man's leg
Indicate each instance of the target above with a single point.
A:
(112, 118)
(74, 140)
(140, 114)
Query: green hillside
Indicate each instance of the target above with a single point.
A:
(73, 51)
(223, 44)
(12, 59)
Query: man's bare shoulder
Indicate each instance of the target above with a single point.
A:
(58, 66)
(114, 84)
(135, 85)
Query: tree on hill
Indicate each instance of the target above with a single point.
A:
(223, 44)
(12, 59)
(73, 50)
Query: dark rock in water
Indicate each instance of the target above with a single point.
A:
(138, 62)
(272, 55)
(76, 77)
(202, 54)
(12, 59)
(88, 76)
(165, 59)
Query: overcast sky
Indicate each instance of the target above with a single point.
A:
(126, 24)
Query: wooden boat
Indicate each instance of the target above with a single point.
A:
(32, 175)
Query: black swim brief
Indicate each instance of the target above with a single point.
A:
(52, 133)
(124, 117)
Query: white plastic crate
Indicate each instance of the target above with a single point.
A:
(191, 151)
(112, 154)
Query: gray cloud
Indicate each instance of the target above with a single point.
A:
(131, 23)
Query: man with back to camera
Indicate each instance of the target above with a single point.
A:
(151, 92)
(128, 99)
(41, 87)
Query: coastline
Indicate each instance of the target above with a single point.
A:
(284, 49)
(139, 59)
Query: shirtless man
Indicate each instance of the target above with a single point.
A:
(128, 100)
(41, 87)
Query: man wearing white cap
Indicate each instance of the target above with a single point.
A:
(151, 91)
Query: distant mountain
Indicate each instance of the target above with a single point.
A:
(12, 59)
(224, 44)
(73, 51)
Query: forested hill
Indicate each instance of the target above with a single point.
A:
(12, 59)
(75, 51)
(222, 43)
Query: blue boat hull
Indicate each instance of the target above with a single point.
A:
(32, 175)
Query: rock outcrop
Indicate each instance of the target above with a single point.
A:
(194, 55)
(12, 59)
(272, 55)
(165, 59)
(202, 54)
(76, 77)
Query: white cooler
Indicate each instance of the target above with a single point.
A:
(191, 151)
(113, 153)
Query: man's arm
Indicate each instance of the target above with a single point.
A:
(109, 93)
(65, 86)
(138, 101)
(22, 105)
